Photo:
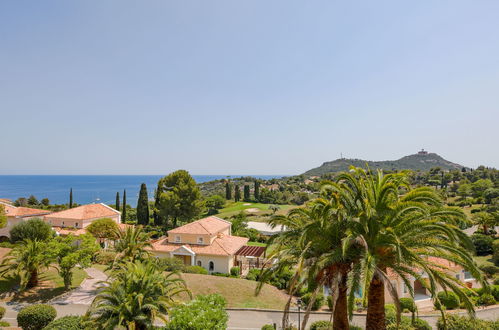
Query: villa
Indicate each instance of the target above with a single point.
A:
(207, 243)
(16, 215)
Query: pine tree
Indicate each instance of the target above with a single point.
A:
(246, 193)
(71, 198)
(123, 213)
(257, 190)
(117, 206)
(228, 191)
(143, 206)
(237, 193)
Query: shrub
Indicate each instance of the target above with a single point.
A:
(329, 301)
(2, 312)
(105, 257)
(70, 322)
(268, 327)
(486, 299)
(171, 264)
(456, 322)
(405, 324)
(319, 300)
(253, 274)
(195, 270)
(4, 324)
(495, 248)
(420, 324)
(321, 325)
(235, 271)
(448, 299)
(496, 280)
(407, 304)
(483, 244)
(489, 270)
(220, 274)
(34, 229)
(36, 317)
(494, 290)
(354, 327)
(390, 313)
(204, 312)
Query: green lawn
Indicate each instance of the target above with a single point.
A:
(239, 293)
(256, 209)
(257, 244)
(484, 260)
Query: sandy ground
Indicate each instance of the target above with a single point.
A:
(252, 210)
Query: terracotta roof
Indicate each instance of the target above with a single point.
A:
(13, 211)
(224, 246)
(85, 212)
(210, 225)
(446, 264)
(81, 231)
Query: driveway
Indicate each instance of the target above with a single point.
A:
(86, 292)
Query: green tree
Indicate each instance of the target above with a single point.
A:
(25, 261)
(464, 190)
(123, 213)
(70, 252)
(484, 220)
(480, 186)
(3, 216)
(131, 244)
(246, 193)
(103, 229)
(34, 229)
(158, 220)
(32, 201)
(135, 297)
(143, 206)
(214, 203)
(204, 312)
(228, 191)
(257, 190)
(180, 198)
(117, 203)
(45, 202)
(237, 193)
(70, 197)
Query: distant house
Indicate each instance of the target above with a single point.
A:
(80, 217)
(16, 215)
(206, 242)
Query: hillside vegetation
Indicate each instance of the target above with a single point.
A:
(416, 162)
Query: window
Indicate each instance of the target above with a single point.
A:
(76, 225)
(211, 266)
(467, 275)
(199, 263)
(457, 277)
(200, 240)
(177, 239)
(405, 288)
(63, 224)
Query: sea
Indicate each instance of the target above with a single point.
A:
(89, 188)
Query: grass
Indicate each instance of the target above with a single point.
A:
(239, 293)
(256, 244)
(51, 285)
(484, 260)
(263, 209)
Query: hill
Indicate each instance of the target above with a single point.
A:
(422, 161)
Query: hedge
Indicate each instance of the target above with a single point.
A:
(196, 270)
(408, 304)
(456, 322)
(70, 322)
(448, 299)
(321, 325)
(36, 317)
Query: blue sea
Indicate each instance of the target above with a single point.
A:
(88, 188)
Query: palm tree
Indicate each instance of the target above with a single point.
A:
(402, 230)
(26, 260)
(135, 296)
(131, 244)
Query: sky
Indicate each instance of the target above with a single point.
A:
(244, 87)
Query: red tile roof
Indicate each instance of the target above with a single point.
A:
(13, 211)
(224, 245)
(85, 212)
(207, 226)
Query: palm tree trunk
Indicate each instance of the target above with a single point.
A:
(340, 317)
(376, 305)
(33, 279)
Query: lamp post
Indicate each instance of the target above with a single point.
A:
(298, 302)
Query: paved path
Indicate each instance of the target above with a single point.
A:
(85, 293)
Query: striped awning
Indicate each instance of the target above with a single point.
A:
(251, 251)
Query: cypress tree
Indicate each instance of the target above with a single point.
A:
(71, 198)
(117, 201)
(257, 190)
(237, 193)
(246, 192)
(228, 191)
(158, 221)
(123, 214)
(143, 206)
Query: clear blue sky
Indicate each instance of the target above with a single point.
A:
(244, 87)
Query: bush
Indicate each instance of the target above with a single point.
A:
(329, 301)
(496, 280)
(36, 317)
(354, 327)
(321, 325)
(105, 257)
(494, 290)
(204, 312)
(407, 304)
(405, 324)
(483, 244)
(448, 299)
(220, 274)
(495, 249)
(4, 324)
(2, 312)
(268, 327)
(420, 324)
(253, 274)
(319, 300)
(34, 229)
(235, 271)
(456, 322)
(70, 322)
(171, 264)
(489, 270)
(195, 270)
(486, 299)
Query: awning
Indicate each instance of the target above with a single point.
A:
(251, 251)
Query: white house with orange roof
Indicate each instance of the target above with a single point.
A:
(206, 242)
(16, 215)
